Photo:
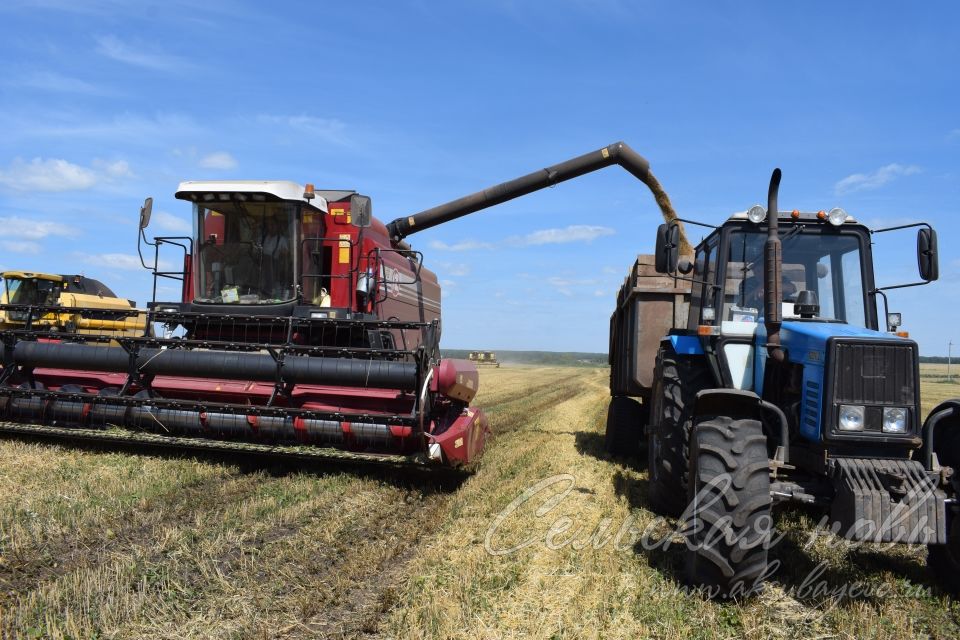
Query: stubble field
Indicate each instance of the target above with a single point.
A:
(549, 538)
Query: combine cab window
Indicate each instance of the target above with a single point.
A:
(32, 291)
(829, 265)
(246, 252)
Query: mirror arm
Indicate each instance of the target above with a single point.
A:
(142, 236)
(902, 226)
(901, 286)
(886, 306)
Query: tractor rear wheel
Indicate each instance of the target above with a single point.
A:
(677, 384)
(625, 420)
(729, 503)
(943, 560)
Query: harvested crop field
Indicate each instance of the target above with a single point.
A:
(549, 538)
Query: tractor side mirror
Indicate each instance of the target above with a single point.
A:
(361, 210)
(668, 248)
(145, 212)
(927, 254)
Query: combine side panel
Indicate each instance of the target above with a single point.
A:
(648, 306)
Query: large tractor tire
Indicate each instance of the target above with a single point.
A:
(625, 420)
(943, 560)
(677, 384)
(729, 492)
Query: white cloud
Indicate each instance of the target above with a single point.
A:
(117, 169)
(169, 222)
(874, 180)
(573, 233)
(57, 175)
(466, 245)
(22, 246)
(126, 127)
(51, 81)
(570, 282)
(218, 160)
(51, 174)
(112, 260)
(138, 56)
(29, 229)
(455, 269)
(329, 129)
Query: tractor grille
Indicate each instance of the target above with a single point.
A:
(883, 374)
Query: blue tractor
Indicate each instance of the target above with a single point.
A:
(765, 377)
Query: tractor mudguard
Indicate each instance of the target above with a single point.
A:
(742, 404)
(941, 435)
(734, 403)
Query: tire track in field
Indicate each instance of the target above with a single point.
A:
(361, 609)
(326, 565)
(30, 566)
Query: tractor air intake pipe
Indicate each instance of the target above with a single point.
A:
(772, 268)
(617, 153)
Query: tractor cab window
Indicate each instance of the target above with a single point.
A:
(827, 265)
(246, 252)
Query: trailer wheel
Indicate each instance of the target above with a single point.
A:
(625, 420)
(677, 383)
(729, 494)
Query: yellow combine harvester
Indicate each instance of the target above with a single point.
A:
(71, 292)
(484, 358)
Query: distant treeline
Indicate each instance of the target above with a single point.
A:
(555, 358)
(582, 359)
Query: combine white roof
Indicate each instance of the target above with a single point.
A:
(276, 190)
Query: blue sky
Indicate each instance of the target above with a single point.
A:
(104, 102)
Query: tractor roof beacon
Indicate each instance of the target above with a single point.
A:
(763, 375)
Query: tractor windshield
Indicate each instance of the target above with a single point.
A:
(244, 252)
(828, 265)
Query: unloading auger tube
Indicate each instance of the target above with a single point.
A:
(618, 153)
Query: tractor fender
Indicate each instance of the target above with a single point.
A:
(733, 403)
(941, 434)
(739, 404)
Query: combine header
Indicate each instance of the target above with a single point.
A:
(304, 325)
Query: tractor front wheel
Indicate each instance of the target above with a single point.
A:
(729, 521)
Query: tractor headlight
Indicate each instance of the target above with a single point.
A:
(894, 420)
(756, 214)
(837, 216)
(851, 417)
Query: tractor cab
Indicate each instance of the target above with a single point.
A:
(826, 275)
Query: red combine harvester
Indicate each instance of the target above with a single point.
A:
(304, 324)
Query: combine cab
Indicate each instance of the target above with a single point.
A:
(300, 325)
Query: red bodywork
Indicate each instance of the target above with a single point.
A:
(355, 281)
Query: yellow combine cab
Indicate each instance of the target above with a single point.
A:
(72, 293)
